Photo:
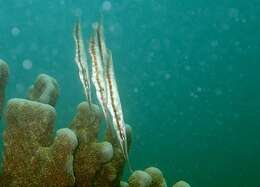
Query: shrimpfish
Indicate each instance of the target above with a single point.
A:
(81, 61)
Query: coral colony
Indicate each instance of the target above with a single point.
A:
(74, 157)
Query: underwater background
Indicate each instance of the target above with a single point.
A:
(188, 74)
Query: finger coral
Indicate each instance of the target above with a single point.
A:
(181, 184)
(90, 155)
(44, 90)
(150, 177)
(140, 179)
(157, 177)
(31, 156)
(72, 157)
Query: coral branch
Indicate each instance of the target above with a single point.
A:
(140, 179)
(157, 177)
(90, 155)
(151, 177)
(75, 157)
(30, 158)
(44, 90)
(111, 173)
(181, 184)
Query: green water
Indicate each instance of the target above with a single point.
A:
(188, 75)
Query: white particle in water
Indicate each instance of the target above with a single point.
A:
(218, 92)
(19, 88)
(94, 25)
(237, 43)
(136, 90)
(33, 47)
(151, 84)
(233, 13)
(111, 28)
(167, 76)
(15, 31)
(155, 44)
(27, 64)
(187, 68)
(78, 12)
(214, 43)
(195, 96)
(106, 6)
(225, 27)
(62, 2)
(244, 20)
(199, 89)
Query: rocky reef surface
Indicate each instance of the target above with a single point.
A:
(36, 156)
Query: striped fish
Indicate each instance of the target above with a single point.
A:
(81, 61)
(98, 78)
(115, 108)
(101, 43)
(104, 80)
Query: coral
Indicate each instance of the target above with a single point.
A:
(44, 90)
(111, 173)
(75, 156)
(90, 155)
(30, 157)
(140, 179)
(181, 184)
(96, 163)
(157, 177)
(124, 184)
(150, 177)
(4, 73)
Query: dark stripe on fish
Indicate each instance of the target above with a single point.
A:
(109, 65)
(93, 52)
(83, 69)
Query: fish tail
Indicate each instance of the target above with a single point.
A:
(89, 102)
(109, 123)
(129, 166)
(125, 153)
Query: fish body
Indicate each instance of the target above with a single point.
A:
(98, 78)
(101, 43)
(81, 61)
(104, 79)
(114, 106)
